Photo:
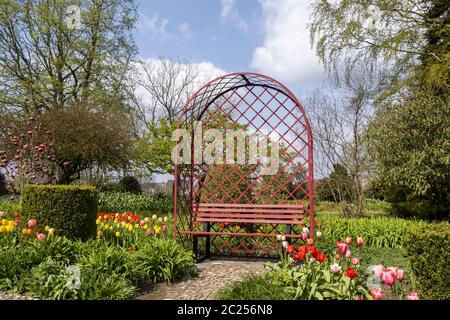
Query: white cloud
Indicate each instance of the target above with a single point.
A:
(158, 27)
(205, 71)
(185, 30)
(286, 53)
(230, 13)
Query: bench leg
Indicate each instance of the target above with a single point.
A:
(195, 246)
(207, 228)
(288, 231)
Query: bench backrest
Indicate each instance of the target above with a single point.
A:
(249, 213)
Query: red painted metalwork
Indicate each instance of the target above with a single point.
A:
(233, 208)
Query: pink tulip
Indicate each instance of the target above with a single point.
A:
(32, 223)
(400, 274)
(389, 278)
(348, 254)
(149, 232)
(348, 240)
(359, 241)
(355, 261)
(40, 236)
(393, 271)
(16, 223)
(335, 268)
(360, 297)
(342, 247)
(378, 271)
(412, 296)
(164, 228)
(338, 256)
(142, 223)
(376, 294)
(304, 235)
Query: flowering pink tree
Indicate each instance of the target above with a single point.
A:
(26, 153)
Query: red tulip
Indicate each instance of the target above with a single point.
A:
(351, 273)
(290, 248)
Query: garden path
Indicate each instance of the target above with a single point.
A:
(213, 276)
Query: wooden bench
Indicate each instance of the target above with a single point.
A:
(208, 213)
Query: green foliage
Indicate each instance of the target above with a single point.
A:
(9, 206)
(71, 210)
(411, 142)
(131, 184)
(49, 280)
(142, 204)
(154, 151)
(112, 187)
(88, 62)
(381, 232)
(87, 134)
(254, 287)
(162, 260)
(428, 249)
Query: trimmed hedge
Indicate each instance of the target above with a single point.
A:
(71, 210)
(428, 250)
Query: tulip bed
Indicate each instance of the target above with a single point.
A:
(310, 273)
(129, 251)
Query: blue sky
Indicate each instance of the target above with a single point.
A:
(195, 30)
(267, 36)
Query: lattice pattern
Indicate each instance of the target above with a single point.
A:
(255, 104)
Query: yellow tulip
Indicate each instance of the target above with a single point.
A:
(51, 232)
(130, 228)
(11, 223)
(145, 227)
(111, 228)
(9, 228)
(4, 222)
(136, 226)
(2, 229)
(96, 221)
(117, 234)
(146, 219)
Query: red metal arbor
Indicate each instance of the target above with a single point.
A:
(235, 207)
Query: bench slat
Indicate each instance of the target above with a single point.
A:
(251, 221)
(232, 215)
(239, 210)
(247, 205)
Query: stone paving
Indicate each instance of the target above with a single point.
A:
(213, 276)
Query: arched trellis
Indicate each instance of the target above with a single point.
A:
(234, 208)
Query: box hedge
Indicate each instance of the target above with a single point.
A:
(429, 251)
(71, 210)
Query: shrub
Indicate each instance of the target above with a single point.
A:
(71, 210)
(3, 189)
(131, 184)
(162, 260)
(428, 251)
(112, 187)
(422, 209)
(138, 203)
